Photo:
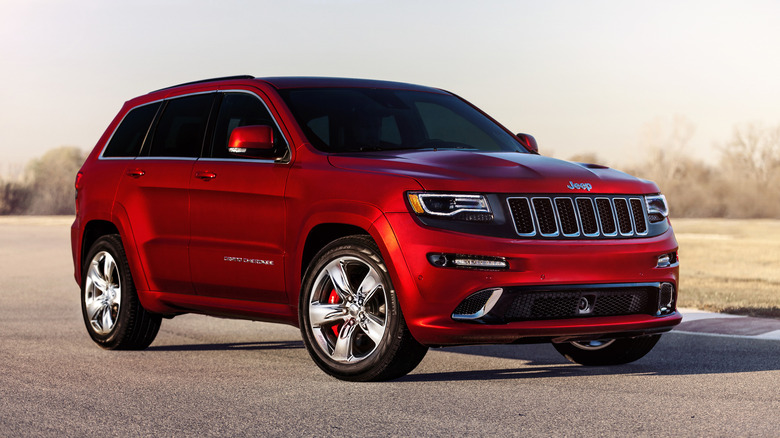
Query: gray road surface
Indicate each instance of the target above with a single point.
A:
(215, 377)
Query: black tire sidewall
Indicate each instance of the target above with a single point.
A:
(622, 351)
(378, 361)
(112, 245)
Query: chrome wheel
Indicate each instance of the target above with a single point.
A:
(347, 309)
(102, 293)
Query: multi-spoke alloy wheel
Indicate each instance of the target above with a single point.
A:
(350, 318)
(348, 309)
(102, 293)
(112, 312)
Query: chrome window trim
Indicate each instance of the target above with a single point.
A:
(241, 160)
(167, 158)
(102, 151)
(288, 155)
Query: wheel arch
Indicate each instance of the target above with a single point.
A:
(323, 234)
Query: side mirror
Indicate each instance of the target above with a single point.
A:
(529, 142)
(251, 141)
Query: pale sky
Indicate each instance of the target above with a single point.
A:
(581, 76)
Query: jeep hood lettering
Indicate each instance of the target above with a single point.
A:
(499, 172)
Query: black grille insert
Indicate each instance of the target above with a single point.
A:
(576, 303)
(583, 216)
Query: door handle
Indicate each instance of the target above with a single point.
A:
(205, 176)
(136, 173)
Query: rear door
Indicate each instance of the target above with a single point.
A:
(237, 210)
(155, 195)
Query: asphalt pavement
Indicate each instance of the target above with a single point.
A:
(717, 375)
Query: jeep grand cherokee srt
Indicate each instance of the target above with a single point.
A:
(381, 218)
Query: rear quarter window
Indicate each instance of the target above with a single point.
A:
(129, 136)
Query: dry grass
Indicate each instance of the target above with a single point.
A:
(730, 265)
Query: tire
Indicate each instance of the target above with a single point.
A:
(608, 351)
(350, 319)
(113, 314)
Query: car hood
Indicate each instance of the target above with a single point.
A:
(496, 172)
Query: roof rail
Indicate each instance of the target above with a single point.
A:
(224, 78)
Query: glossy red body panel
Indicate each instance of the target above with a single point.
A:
(227, 237)
(252, 137)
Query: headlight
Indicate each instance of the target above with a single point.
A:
(470, 208)
(657, 208)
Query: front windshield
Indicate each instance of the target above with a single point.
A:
(369, 119)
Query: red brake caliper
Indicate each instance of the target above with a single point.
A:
(333, 298)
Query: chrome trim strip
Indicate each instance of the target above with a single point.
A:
(238, 160)
(489, 304)
(644, 216)
(536, 216)
(595, 217)
(628, 212)
(167, 158)
(558, 216)
(598, 217)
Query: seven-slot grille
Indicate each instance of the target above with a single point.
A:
(578, 216)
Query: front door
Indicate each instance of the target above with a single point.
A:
(237, 211)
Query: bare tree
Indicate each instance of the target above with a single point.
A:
(753, 153)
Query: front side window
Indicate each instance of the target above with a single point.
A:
(129, 136)
(369, 119)
(242, 109)
(181, 128)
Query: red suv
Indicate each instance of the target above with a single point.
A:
(381, 218)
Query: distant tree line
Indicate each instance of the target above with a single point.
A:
(744, 184)
(46, 187)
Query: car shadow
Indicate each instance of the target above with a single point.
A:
(676, 354)
(278, 345)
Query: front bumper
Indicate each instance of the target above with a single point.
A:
(429, 295)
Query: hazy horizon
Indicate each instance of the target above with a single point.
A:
(595, 77)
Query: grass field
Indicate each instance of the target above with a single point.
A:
(730, 266)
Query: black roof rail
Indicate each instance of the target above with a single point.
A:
(224, 78)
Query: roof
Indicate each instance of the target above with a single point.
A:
(327, 82)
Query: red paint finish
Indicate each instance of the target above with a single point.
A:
(233, 236)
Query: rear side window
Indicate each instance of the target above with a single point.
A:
(181, 128)
(129, 136)
(242, 109)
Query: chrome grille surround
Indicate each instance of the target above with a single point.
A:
(578, 217)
